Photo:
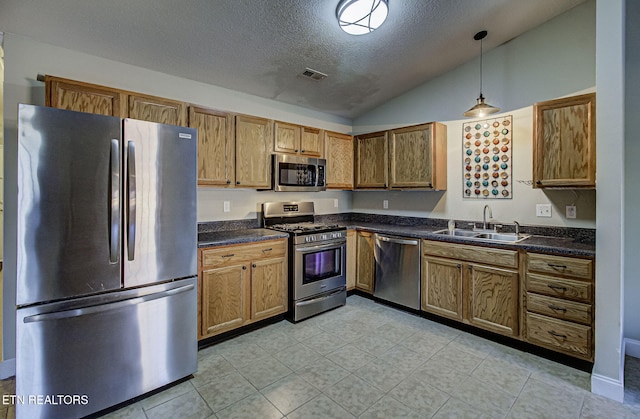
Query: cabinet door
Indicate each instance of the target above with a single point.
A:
(371, 161)
(225, 299)
(253, 151)
(311, 142)
(84, 97)
(493, 299)
(215, 146)
(366, 262)
(157, 109)
(339, 155)
(411, 157)
(564, 142)
(351, 259)
(286, 138)
(268, 288)
(442, 287)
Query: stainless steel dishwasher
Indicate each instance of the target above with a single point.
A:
(397, 277)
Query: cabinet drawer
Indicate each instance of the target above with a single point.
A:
(570, 338)
(486, 255)
(559, 265)
(231, 255)
(560, 287)
(560, 309)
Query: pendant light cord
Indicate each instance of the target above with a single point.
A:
(481, 67)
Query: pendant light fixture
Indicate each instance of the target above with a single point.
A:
(359, 17)
(481, 109)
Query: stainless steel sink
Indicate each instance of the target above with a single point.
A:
(485, 236)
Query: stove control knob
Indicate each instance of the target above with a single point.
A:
(307, 239)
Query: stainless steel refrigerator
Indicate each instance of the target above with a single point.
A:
(106, 260)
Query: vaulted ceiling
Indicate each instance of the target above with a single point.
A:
(260, 47)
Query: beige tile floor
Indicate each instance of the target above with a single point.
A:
(367, 360)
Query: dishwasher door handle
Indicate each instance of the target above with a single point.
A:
(397, 240)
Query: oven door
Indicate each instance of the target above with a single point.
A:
(319, 268)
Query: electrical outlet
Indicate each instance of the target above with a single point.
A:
(543, 210)
(571, 211)
(385, 203)
(335, 203)
(227, 206)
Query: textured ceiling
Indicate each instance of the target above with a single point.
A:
(261, 46)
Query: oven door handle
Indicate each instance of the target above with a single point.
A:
(321, 247)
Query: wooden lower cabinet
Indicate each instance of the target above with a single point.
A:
(225, 299)
(352, 259)
(365, 269)
(442, 287)
(493, 299)
(478, 294)
(268, 288)
(241, 284)
(559, 304)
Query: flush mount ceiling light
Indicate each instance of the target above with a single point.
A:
(359, 17)
(481, 109)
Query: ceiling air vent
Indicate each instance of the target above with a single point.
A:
(313, 74)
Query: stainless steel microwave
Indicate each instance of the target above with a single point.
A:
(298, 174)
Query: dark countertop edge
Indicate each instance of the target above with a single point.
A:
(543, 244)
(228, 237)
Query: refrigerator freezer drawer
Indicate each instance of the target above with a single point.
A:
(105, 348)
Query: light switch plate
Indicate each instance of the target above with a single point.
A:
(543, 210)
(571, 211)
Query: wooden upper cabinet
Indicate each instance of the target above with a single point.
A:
(157, 109)
(216, 147)
(312, 142)
(296, 139)
(339, 155)
(371, 161)
(254, 143)
(84, 97)
(564, 153)
(418, 157)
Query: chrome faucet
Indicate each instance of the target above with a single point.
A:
(484, 216)
(517, 225)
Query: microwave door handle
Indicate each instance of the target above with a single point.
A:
(131, 201)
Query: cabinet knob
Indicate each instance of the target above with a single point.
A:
(384, 185)
(459, 265)
(254, 265)
(244, 268)
(296, 150)
(238, 182)
(228, 182)
(302, 151)
(538, 182)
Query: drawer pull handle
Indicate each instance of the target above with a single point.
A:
(555, 308)
(558, 335)
(557, 287)
(229, 255)
(553, 265)
(267, 250)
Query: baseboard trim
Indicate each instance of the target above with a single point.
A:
(607, 387)
(7, 368)
(632, 347)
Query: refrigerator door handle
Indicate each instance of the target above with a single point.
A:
(131, 201)
(65, 314)
(114, 226)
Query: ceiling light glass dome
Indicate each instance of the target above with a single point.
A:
(359, 17)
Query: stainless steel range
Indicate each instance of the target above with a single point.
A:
(317, 258)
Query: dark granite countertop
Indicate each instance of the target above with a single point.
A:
(219, 238)
(535, 243)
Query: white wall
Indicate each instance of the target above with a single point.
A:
(608, 373)
(553, 60)
(632, 173)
